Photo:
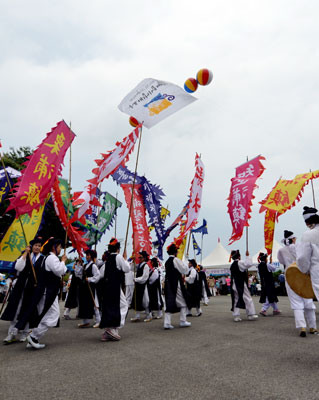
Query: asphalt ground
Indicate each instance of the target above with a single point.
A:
(215, 358)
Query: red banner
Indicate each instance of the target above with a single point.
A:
(241, 195)
(141, 235)
(41, 171)
(74, 234)
(195, 200)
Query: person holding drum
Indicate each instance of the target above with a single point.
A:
(304, 309)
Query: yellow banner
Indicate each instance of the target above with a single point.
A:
(181, 249)
(286, 192)
(13, 242)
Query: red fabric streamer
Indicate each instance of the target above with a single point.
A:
(141, 235)
(241, 195)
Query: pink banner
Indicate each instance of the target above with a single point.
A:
(141, 235)
(194, 200)
(41, 171)
(241, 195)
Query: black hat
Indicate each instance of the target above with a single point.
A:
(235, 254)
(52, 242)
(172, 249)
(262, 257)
(288, 235)
(193, 262)
(144, 254)
(310, 215)
(37, 239)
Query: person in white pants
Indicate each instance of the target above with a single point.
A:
(175, 291)
(48, 307)
(240, 294)
(304, 309)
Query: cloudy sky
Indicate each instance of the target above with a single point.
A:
(76, 60)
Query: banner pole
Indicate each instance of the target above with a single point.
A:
(201, 252)
(23, 232)
(133, 186)
(69, 199)
(313, 193)
(115, 222)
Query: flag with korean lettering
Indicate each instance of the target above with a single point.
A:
(41, 170)
(141, 235)
(241, 195)
(13, 242)
(282, 198)
(152, 100)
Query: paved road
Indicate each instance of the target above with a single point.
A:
(216, 358)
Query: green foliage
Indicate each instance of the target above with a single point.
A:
(16, 158)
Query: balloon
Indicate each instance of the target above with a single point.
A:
(133, 121)
(190, 85)
(204, 76)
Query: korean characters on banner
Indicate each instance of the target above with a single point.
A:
(141, 235)
(241, 195)
(42, 168)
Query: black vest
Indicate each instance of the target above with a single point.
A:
(240, 278)
(111, 287)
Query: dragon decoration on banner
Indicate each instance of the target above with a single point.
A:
(282, 198)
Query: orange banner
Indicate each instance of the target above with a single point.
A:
(283, 197)
(286, 192)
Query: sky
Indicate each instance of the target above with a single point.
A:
(75, 60)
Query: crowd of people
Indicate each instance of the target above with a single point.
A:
(104, 289)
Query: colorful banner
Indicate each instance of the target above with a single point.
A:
(152, 100)
(164, 213)
(5, 187)
(119, 156)
(65, 194)
(202, 229)
(141, 236)
(194, 200)
(182, 246)
(241, 195)
(286, 192)
(152, 197)
(269, 230)
(283, 197)
(74, 234)
(13, 242)
(105, 218)
(41, 171)
(195, 246)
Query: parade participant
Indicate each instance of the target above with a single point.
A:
(176, 297)
(129, 286)
(308, 250)
(268, 297)
(155, 290)
(194, 288)
(48, 311)
(204, 285)
(23, 290)
(140, 300)
(87, 298)
(241, 297)
(304, 309)
(72, 300)
(114, 306)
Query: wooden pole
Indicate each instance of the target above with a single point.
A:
(23, 232)
(201, 253)
(133, 186)
(189, 240)
(115, 217)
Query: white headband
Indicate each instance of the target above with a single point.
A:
(307, 216)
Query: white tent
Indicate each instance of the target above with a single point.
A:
(217, 260)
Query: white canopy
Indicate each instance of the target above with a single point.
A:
(218, 258)
(276, 247)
